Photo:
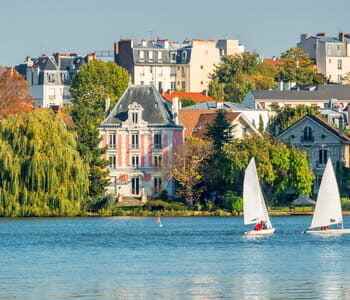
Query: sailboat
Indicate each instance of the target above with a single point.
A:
(159, 222)
(254, 207)
(328, 210)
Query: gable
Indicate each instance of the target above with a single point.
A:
(321, 134)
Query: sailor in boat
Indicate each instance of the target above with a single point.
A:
(260, 226)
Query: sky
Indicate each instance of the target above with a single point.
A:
(36, 27)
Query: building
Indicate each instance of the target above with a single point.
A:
(331, 54)
(241, 127)
(328, 96)
(141, 133)
(171, 66)
(255, 116)
(195, 122)
(320, 140)
(49, 77)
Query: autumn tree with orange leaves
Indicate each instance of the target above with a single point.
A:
(14, 93)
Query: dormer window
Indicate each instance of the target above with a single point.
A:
(135, 117)
(308, 136)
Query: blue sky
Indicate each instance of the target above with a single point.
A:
(34, 27)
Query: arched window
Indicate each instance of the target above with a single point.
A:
(308, 134)
(322, 156)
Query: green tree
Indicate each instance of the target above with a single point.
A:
(261, 127)
(108, 79)
(41, 171)
(283, 171)
(96, 84)
(288, 116)
(296, 66)
(237, 75)
(219, 133)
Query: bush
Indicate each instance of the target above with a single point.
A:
(233, 202)
(162, 205)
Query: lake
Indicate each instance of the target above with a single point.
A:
(188, 258)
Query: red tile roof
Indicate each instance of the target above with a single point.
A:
(189, 118)
(206, 119)
(195, 97)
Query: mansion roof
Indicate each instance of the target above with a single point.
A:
(156, 111)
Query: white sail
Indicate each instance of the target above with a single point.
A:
(254, 207)
(328, 207)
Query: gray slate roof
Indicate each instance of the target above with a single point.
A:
(156, 111)
(327, 92)
(214, 105)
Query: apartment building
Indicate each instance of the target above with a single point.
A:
(332, 54)
(49, 77)
(171, 66)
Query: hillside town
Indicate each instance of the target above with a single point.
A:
(177, 121)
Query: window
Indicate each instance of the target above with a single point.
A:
(183, 85)
(157, 161)
(151, 69)
(134, 141)
(322, 156)
(112, 141)
(135, 161)
(160, 87)
(157, 184)
(135, 185)
(157, 140)
(173, 86)
(340, 78)
(173, 57)
(307, 134)
(135, 117)
(142, 82)
(159, 55)
(141, 55)
(340, 64)
(150, 55)
(202, 67)
(112, 162)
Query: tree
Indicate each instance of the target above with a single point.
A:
(283, 171)
(237, 75)
(296, 66)
(219, 133)
(96, 84)
(288, 116)
(187, 170)
(261, 127)
(41, 171)
(107, 78)
(187, 102)
(14, 94)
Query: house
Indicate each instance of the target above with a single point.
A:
(141, 133)
(255, 116)
(240, 125)
(171, 66)
(196, 122)
(49, 77)
(327, 96)
(332, 54)
(320, 140)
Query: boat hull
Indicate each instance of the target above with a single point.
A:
(260, 232)
(330, 231)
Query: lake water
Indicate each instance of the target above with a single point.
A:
(188, 258)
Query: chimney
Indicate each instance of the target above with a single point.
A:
(175, 109)
(321, 34)
(341, 36)
(115, 51)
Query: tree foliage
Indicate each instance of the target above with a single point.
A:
(41, 171)
(14, 94)
(220, 131)
(237, 75)
(296, 66)
(284, 171)
(187, 169)
(105, 78)
(288, 116)
(96, 84)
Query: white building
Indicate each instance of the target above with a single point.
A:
(332, 54)
(49, 77)
(173, 66)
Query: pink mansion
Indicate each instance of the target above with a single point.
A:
(140, 134)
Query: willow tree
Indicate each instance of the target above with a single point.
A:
(41, 171)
